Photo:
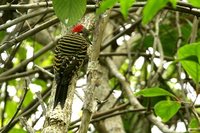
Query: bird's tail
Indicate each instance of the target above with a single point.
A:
(61, 93)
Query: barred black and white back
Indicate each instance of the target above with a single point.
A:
(70, 54)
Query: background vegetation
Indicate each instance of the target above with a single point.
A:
(149, 57)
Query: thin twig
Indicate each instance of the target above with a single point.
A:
(193, 35)
(108, 115)
(28, 33)
(25, 6)
(103, 54)
(5, 103)
(39, 96)
(79, 96)
(181, 6)
(132, 99)
(18, 108)
(27, 111)
(24, 17)
(96, 115)
(180, 70)
(44, 71)
(34, 6)
(156, 44)
(128, 30)
(23, 121)
(25, 62)
(19, 75)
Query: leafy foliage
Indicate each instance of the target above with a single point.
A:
(193, 125)
(69, 11)
(151, 8)
(28, 99)
(152, 92)
(195, 3)
(125, 5)
(173, 2)
(16, 130)
(190, 54)
(105, 4)
(11, 107)
(147, 67)
(166, 109)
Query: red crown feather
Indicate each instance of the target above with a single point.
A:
(78, 28)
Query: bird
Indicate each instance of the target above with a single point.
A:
(70, 53)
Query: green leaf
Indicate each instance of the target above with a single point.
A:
(21, 54)
(11, 108)
(69, 11)
(153, 92)
(190, 54)
(195, 3)
(173, 2)
(166, 109)
(16, 130)
(193, 58)
(170, 71)
(194, 123)
(125, 5)
(2, 34)
(106, 4)
(151, 8)
(28, 99)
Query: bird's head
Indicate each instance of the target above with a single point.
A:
(80, 29)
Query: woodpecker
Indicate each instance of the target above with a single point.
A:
(70, 53)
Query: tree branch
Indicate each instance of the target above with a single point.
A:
(25, 17)
(22, 74)
(18, 108)
(28, 33)
(133, 100)
(25, 62)
(28, 110)
(93, 75)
